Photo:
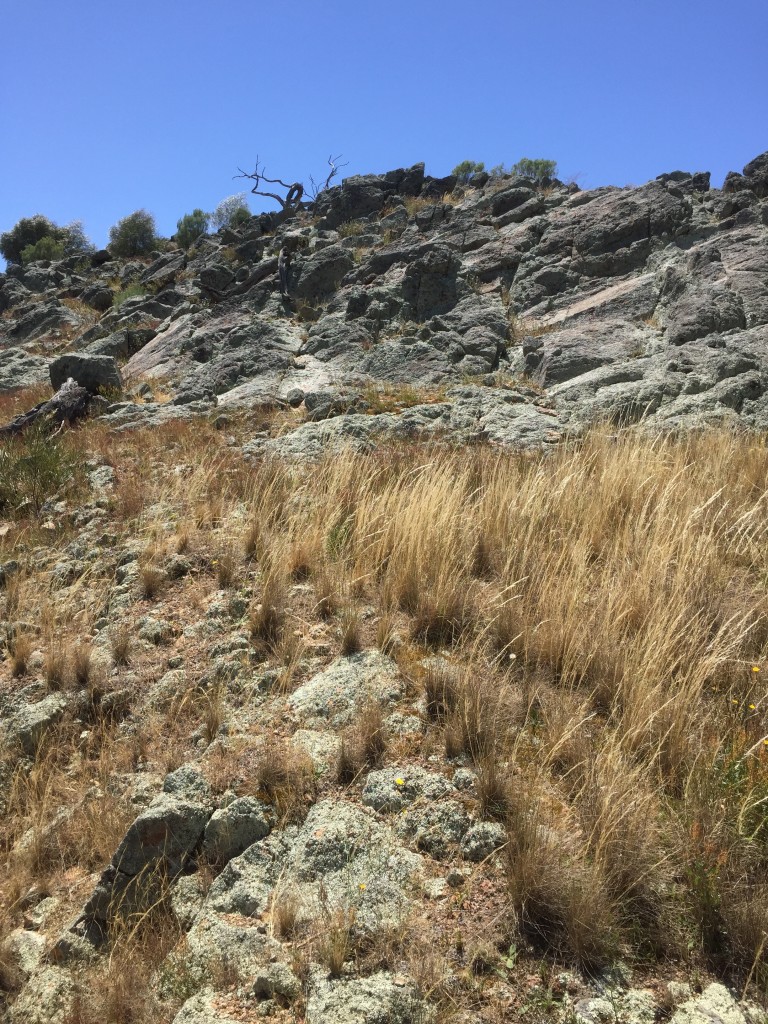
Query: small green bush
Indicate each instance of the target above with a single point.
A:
(131, 291)
(38, 238)
(538, 170)
(33, 468)
(231, 212)
(46, 248)
(134, 235)
(467, 169)
(190, 227)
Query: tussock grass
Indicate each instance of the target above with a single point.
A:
(284, 778)
(602, 610)
(363, 745)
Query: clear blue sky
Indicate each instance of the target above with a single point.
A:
(109, 107)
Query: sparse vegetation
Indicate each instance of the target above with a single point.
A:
(134, 235)
(585, 631)
(190, 227)
(466, 170)
(231, 212)
(538, 170)
(131, 291)
(34, 467)
(38, 238)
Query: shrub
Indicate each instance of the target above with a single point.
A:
(76, 240)
(45, 248)
(538, 170)
(230, 212)
(27, 232)
(134, 235)
(467, 169)
(33, 468)
(38, 238)
(131, 291)
(190, 227)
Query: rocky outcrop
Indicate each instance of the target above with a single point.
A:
(632, 304)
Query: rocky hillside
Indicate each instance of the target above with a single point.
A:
(499, 310)
(311, 712)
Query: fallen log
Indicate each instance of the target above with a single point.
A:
(70, 403)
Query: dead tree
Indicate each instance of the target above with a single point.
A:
(291, 201)
(69, 404)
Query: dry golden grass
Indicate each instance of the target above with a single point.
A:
(21, 648)
(602, 613)
(363, 745)
(121, 645)
(283, 777)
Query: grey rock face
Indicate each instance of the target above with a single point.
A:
(40, 319)
(378, 999)
(234, 828)
(29, 725)
(21, 369)
(168, 831)
(97, 296)
(334, 695)
(92, 372)
(612, 302)
(322, 272)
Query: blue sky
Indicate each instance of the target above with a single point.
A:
(107, 108)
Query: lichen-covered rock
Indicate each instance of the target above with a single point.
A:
(436, 828)
(378, 999)
(321, 747)
(334, 695)
(22, 951)
(715, 1005)
(340, 858)
(167, 831)
(235, 827)
(30, 723)
(393, 789)
(482, 839)
(219, 944)
(187, 783)
(45, 999)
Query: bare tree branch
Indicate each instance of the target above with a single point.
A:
(332, 163)
(288, 202)
(295, 190)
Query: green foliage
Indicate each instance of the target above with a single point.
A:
(45, 248)
(134, 235)
(230, 212)
(27, 232)
(467, 169)
(537, 170)
(240, 217)
(131, 291)
(33, 468)
(38, 238)
(190, 227)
